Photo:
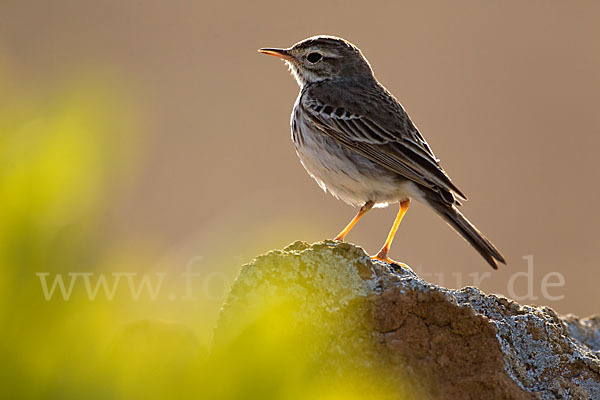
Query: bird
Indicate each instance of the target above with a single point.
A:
(359, 144)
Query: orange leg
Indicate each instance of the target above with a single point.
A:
(363, 210)
(382, 255)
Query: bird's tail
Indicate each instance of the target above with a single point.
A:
(451, 214)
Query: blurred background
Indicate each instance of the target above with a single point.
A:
(151, 137)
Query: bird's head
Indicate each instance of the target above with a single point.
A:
(323, 57)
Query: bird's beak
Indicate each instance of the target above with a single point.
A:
(279, 53)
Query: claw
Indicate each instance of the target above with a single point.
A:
(384, 259)
(388, 260)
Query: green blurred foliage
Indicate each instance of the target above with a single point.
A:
(59, 154)
(62, 152)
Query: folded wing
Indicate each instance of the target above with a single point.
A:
(399, 148)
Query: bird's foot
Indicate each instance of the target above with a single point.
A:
(382, 256)
(338, 238)
(385, 259)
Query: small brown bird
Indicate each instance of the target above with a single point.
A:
(355, 139)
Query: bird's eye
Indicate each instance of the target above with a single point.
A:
(314, 57)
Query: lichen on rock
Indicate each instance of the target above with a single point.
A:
(347, 315)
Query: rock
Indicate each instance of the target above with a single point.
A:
(342, 314)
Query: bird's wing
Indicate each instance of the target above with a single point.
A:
(395, 144)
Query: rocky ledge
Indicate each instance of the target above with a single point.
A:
(433, 342)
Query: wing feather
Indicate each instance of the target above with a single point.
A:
(400, 150)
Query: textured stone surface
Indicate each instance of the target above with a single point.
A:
(437, 342)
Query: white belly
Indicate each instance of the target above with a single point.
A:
(347, 175)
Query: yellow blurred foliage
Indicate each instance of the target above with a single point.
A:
(62, 151)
